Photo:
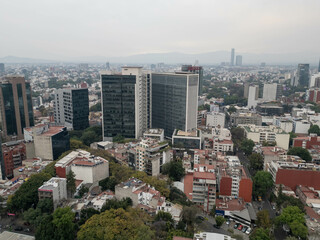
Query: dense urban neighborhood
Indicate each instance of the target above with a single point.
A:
(160, 151)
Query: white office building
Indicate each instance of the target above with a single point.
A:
(253, 96)
(215, 119)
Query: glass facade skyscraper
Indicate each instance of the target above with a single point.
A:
(16, 106)
(118, 105)
(174, 101)
(303, 75)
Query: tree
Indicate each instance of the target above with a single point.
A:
(213, 211)
(88, 137)
(256, 161)
(174, 169)
(77, 144)
(189, 216)
(292, 136)
(164, 216)
(238, 135)
(118, 139)
(71, 183)
(301, 152)
(45, 205)
(232, 109)
(314, 129)
(96, 107)
(294, 218)
(263, 219)
(219, 220)
(115, 204)
(46, 230)
(177, 196)
(63, 221)
(87, 213)
(262, 183)
(108, 183)
(260, 234)
(247, 146)
(116, 224)
(83, 190)
(27, 195)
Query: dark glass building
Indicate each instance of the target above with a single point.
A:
(118, 105)
(71, 108)
(174, 101)
(16, 106)
(303, 75)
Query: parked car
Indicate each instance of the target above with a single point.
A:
(244, 229)
(248, 230)
(236, 226)
(200, 218)
(240, 227)
(26, 230)
(18, 228)
(227, 222)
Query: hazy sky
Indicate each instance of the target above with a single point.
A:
(75, 28)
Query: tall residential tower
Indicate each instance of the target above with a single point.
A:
(71, 108)
(232, 57)
(195, 69)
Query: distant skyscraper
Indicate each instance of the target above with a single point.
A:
(126, 103)
(303, 75)
(195, 69)
(2, 164)
(238, 60)
(174, 101)
(71, 108)
(232, 57)
(16, 106)
(1, 68)
(319, 66)
(107, 66)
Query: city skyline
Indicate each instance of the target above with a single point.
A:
(103, 28)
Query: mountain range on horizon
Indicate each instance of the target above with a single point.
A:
(209, 58)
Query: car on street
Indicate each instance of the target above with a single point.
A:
(248, 230)
(240, 227)
(200, 218)
(236, 226)
(274, 207)
(244, 229)
(18, 228)
(227, 222)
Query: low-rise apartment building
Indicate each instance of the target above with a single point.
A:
(269, 134)
(55, 189)
(190, 140)
(245, 118)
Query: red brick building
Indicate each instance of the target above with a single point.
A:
(233, 180)
(309, 142)
(13, 154)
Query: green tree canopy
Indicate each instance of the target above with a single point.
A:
(63, 220)
(174, 169)
(263, 219)
(247, 146)
(219, 220)
(294, 218)
(256, 161)
(115, 204)
(96, 107)
(238, 135)
(108, 183)
(27, 195)
(262, 183)
(301, 152)
(177, 196)
(116, 224)
(314, 129)
(260, 234)
(71, 183)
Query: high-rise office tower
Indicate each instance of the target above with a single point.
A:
(126, 103)
(71, 108)
(303, 75)
(195, 69)
(174, 101)
(238, 60)
(319, 66)
(272, 92)
(232, 57)
(107, 66)
(16, 106)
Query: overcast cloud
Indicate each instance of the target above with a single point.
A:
(74, 28)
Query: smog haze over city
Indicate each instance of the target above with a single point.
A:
(79, 30)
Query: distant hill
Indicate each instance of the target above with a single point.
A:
(179, 58)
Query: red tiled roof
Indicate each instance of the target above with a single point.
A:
(204, 175)
(52, 131)
(188, 185)
(311, 213)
